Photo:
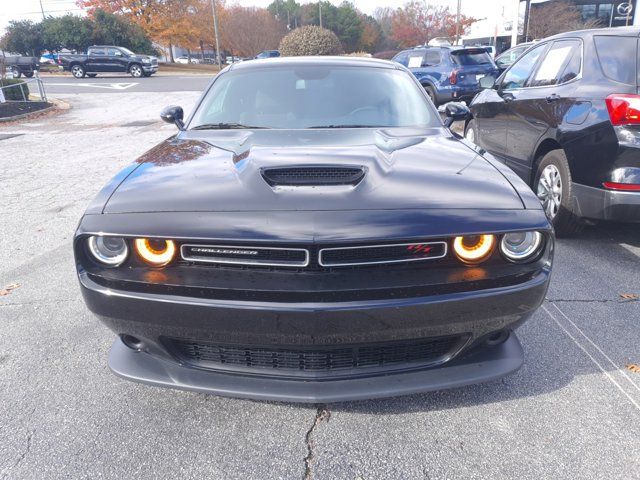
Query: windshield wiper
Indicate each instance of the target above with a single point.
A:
(347, 126)
(224, 126)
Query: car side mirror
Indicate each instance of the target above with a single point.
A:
(455, 112)
(173, 114)
(487, 83)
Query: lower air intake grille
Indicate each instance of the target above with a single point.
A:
(313, 175)
(316, 359)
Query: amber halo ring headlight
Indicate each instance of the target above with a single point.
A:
(474, 249)
(111, 251)
(155, 252)
(521, 246)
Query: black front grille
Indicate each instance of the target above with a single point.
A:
(313, 175)
(243, 255)
(317, 359)
(363, 255)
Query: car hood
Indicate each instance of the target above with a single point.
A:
(220, 171)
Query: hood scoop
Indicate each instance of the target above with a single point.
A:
(313, 175)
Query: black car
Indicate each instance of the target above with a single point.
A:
(108, 59)
(566, 118)
(314, 233)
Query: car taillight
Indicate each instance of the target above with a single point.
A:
(624, 109)
(629, 187)
(453, 77)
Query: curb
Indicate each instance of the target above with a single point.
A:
(57, 105)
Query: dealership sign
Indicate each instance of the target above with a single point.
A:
(623, 13)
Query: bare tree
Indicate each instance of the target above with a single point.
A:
(247, 31)
(557, 17)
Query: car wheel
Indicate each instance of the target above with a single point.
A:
(432, 94)
(471, 132)
(28, 74)
(92, 75)
(78, 71)
(16, 73)
(554, 189)
(135, 71)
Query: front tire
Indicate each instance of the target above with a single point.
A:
(471, 132)
(16, 73)
(29, 74)
(78, 71)
(554, 189)
(432, 94)
(136, 71)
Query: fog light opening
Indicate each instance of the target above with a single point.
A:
(134, 343)
(497, 338)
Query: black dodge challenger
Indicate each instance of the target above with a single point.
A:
(314, 233)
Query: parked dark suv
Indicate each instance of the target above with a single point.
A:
(448, 73)
(566, 118)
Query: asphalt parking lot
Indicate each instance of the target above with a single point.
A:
(572, 411)
(122, 83)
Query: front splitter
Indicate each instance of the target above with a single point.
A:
(480, 366)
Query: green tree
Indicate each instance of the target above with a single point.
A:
(343, 20)
(111, 29)
(69, 31)
(22, 36)
(287, 11)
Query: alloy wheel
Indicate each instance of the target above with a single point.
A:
(470, 135)
(135, 71)
(77, 71)
(550, 190)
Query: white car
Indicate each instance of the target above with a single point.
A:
(185, 60)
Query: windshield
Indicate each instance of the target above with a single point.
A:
(126, 51)
(471, 57)
(294, 97)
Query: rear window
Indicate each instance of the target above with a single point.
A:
(468, 57)
(618, 57)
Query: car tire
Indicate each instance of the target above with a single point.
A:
(29, 74)
(555, 190)
(136, 71)
(92, 75)
(78, 71)
(432, 94)
(16, 73)
(471, 132)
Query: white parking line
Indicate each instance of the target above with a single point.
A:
(110, 86)
(593, 359)
(632, 249)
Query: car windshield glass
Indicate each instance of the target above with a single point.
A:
(294, 97)
(126, 51)
(471, 57)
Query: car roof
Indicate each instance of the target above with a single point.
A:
(613, 31)
(315, 61)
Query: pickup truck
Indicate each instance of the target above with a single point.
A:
(21, 65)
(108, 58)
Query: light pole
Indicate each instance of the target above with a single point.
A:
(215, 31)
(458, 23)
(42, 10)
(320, 8)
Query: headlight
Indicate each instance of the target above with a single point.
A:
(155, 252)
(521, 246)
(146, 60)
(111, 251)
(474, 249)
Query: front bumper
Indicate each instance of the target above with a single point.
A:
(480, 365)
(473, 315)
(150, 68)
(601, 204)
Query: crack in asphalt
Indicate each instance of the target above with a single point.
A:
(25, 452)
(322, 415)
(590, 300)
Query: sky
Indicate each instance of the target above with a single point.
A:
(30, 9)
